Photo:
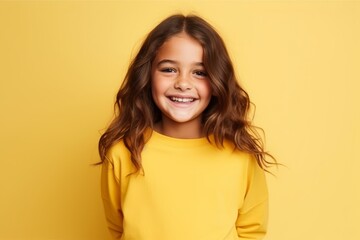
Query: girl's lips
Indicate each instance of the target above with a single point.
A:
(181, 102)
(182, 99)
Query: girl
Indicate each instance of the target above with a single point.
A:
(180, 160)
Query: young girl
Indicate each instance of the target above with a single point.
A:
(180, 160)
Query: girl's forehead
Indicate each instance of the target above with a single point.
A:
(181, 36)
(182, 46)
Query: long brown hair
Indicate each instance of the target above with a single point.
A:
(226, 117)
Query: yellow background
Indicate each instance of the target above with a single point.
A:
(62, 63)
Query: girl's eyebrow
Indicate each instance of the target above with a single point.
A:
(167, 61)
(176, 62)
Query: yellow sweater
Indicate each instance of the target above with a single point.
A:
(191, 190)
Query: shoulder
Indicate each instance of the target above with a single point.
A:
(245, 157)
(247, 160)
(120, 157)
(117, 151)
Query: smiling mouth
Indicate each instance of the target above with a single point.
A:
(181, 100)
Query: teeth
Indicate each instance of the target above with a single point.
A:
(184, 100)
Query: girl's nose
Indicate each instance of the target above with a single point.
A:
(182, 83)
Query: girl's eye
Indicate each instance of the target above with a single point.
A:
(200, 73)
(168, 70)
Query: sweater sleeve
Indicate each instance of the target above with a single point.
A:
(253, 215)
(110, 193)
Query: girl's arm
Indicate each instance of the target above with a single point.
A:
(253, 224)
(110, 192)
(253, 216)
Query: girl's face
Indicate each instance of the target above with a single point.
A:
(180, 85)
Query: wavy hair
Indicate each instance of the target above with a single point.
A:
(225, 118)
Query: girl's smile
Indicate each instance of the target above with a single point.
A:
(182, 99)
(180, 85)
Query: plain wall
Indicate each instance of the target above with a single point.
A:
(62, 62)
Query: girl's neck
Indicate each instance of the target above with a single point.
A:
(182, 130)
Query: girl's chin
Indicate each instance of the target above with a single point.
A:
(187, 119)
